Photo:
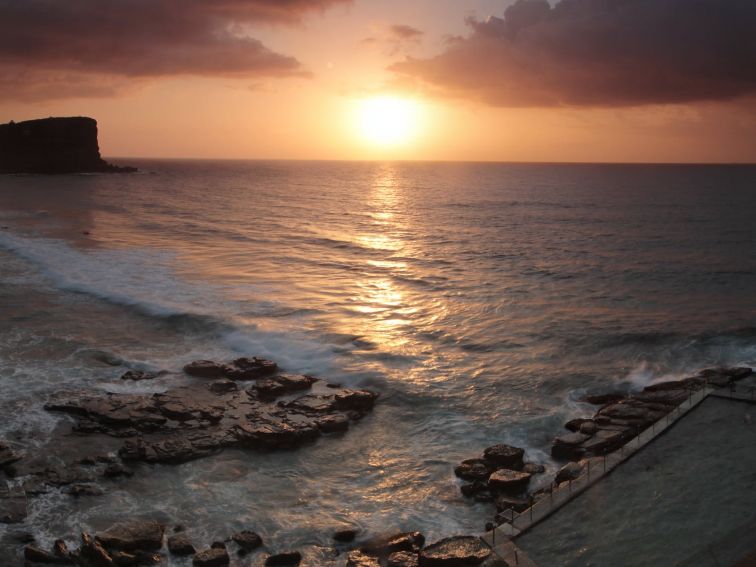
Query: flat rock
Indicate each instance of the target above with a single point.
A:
(403, 559)
(455, 552)
(568, 446)
(505, 456)
(359, 559)
(506, 480)
(284, 559)
(570, 471)
(133, 535)
(191, 422)
(213, 557)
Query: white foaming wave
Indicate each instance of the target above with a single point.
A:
(145, 280)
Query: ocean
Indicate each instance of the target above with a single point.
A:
(480, 300)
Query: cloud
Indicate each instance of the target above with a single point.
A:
(101, 43)
(393, 39)
(598, 53)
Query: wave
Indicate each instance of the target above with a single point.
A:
(145, 282)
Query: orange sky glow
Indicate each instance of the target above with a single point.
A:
(390, 79)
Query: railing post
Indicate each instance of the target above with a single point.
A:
(604, 463)
(589, 470)
(531, 515)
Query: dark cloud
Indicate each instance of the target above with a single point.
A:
(403, 31)
(599, 53)
(101, 41)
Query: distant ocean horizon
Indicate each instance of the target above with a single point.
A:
(480, 299)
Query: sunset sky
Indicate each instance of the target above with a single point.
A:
(576, 80)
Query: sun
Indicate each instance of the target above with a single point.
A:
(387, 120)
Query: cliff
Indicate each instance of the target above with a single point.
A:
(53, 145)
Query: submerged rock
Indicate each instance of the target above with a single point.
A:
(180, 544)
(455, 552)
(284, 559)
(13, 505)
(133, 535)
(213, 557)
(247, 540)
(138, 375)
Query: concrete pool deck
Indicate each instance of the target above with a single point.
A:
(505, 539)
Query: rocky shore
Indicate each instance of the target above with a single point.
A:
(249, 403)
(502, 477)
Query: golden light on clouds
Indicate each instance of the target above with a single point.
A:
(388, 120)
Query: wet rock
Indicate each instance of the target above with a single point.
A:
(191, 422)
(250, 368)
(603, 399)
(385, 545)
(473, 488)
(721, 377)
(534, 468)
(92, 554)
(505, 502)
(359, 559)
(217, 545)
(116, 470)
(588, 428)
(37, 555)
(506, 480)
(284, 559)
(206, 369)
(13, 505)
(60, 549)
(574, 424)
(604, 441)
(247, 540)
(138, 375)
(635, 413)
(222, 386)
(133, 535)
(474, 469)
(180, 544)
(568, 446)
(345, 536)
(570, 471)
(213, 557)
(144, 558)
(403, 559)
(8, 455)
(78, 490)
(455, 552)
(505, 456)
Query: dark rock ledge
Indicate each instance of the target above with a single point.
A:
(501, 476)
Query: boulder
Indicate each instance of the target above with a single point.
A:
(133, 535)
(534, 468)
(247, 540)
(605, 441)
(250, 368)
(473, 469)
(603, 399)
(213, 557)
(359, 559)
(179, 544)
(222, 386)
(92, 554)
(138, 375)
(284, 559)
(570, 471)
(506, 480)
(568, 446)
(505, 456)
(403, 559)
(574, 424)
(457, 551)
(505, 502)
(386, 545)
(206, 369)
(345, 536)
(588, 427)
(37, 555)
(473, 488)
